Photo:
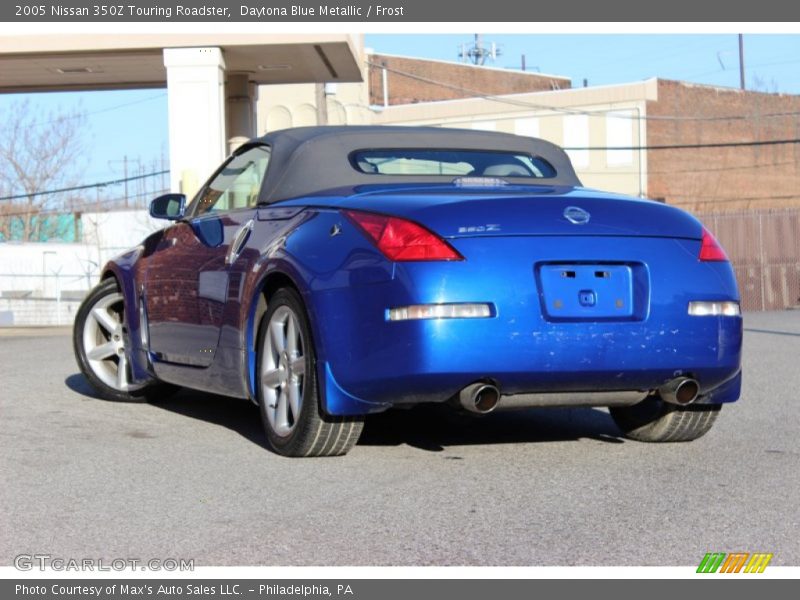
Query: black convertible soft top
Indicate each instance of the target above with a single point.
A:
(308, 160)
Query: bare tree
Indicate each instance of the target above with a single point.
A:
(6, 212)
(39, 152)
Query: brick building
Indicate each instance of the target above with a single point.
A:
(613, 134)
(395, 80)
(739, 176)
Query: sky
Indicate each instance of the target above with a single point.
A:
(133, 123)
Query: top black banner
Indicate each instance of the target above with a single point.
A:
(462, 11)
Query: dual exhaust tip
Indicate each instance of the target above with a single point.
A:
(681, 391)
(482, 398)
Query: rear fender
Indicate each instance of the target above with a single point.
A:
(327, 263)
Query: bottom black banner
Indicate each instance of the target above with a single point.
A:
(366, 589)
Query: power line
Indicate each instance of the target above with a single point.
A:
(84, 187)
(570, 111)
(81, 115)
(753, 166)
(693, 47)
(711, 199)
(728, 71)
(569, 148)
(688, 146)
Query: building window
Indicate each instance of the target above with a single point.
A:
(576, 139)
(484, 125)
(619, 134)
(527, 127)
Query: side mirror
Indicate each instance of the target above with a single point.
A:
(168, 206)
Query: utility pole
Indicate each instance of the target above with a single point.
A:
(125, 172)
(741, 61)
(165, 175)
(125, 175)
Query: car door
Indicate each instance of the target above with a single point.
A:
(188, 273)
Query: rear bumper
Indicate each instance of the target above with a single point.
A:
(432, 361)
(369, 363)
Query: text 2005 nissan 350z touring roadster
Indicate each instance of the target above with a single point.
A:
(326, 273)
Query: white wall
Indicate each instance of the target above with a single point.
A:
(118, 230)
(42, 269)
(37, 313)
(35, 267)
(41, 283)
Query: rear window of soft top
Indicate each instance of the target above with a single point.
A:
(456, 163)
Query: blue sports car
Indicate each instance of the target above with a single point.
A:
(326, 273)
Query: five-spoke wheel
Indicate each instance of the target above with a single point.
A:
(99, 340)
(104, 343)
(287, 389)
(283, 370)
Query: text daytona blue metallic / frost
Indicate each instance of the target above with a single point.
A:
(324, 10)
(42, 562)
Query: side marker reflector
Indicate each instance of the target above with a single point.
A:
(714, 309)
(440, 311)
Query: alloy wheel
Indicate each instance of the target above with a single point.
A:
(283, 369)
(104, 343)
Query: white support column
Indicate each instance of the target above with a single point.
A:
(196, 106)
(240, 102)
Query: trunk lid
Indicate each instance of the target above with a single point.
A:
(527, 211)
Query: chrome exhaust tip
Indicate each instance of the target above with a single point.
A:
(681, 391)
(480, 398)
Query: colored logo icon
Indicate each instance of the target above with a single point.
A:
(737, 562)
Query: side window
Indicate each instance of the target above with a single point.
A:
(236, 186)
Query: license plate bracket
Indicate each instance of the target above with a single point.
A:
(583, 291)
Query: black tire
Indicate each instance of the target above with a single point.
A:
(653, 420)
(96, 374)
(311, 432)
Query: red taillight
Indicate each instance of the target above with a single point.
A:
(710, 248)
(400, 240)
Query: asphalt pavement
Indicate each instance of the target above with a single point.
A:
(190, 478)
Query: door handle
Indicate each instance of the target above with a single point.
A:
(238, 243)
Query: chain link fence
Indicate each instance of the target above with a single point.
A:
(764, 248)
